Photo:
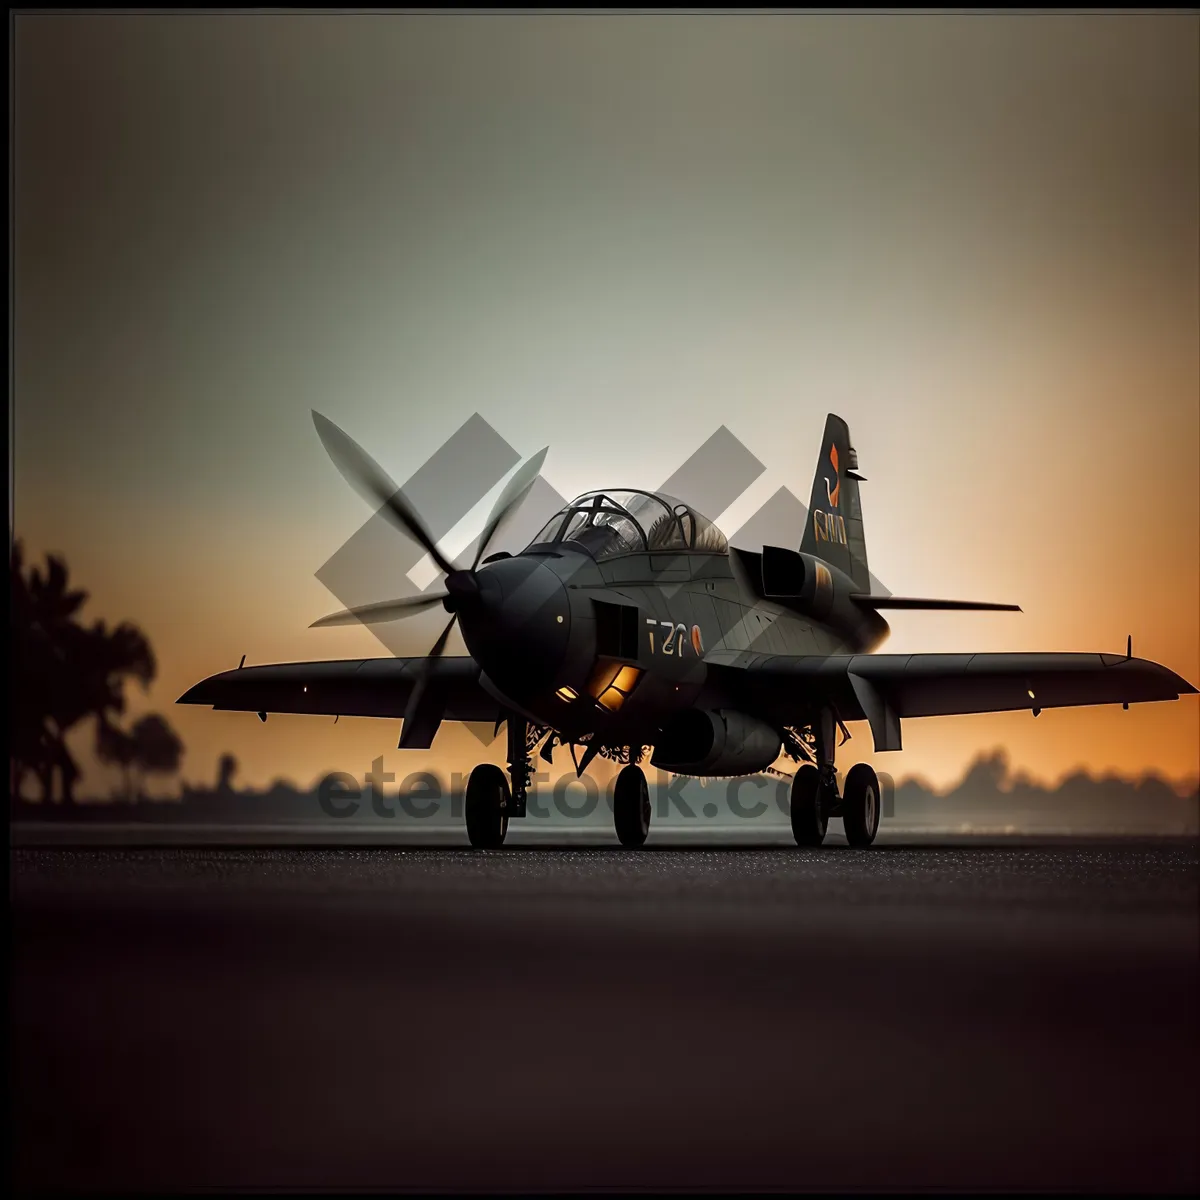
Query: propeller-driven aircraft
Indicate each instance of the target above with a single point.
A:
(629, 627)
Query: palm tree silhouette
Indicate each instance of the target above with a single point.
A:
(115, 747)
(227, 766)
(64, 673)
(149, 748)
(157, 749)
(42, 613)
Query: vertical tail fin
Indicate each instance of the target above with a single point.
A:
(834, 529)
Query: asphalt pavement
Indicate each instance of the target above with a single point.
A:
(953, 1016)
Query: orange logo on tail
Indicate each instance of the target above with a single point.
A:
(837, 487)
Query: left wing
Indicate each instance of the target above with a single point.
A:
(882, 688)
(370, 687)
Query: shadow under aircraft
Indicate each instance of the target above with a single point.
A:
(629, 623)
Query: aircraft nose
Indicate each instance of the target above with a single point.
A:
(518, 627)
(462, 588)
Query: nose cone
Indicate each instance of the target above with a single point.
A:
(518, 627)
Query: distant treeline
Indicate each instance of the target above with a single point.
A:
(990, 795)
(988, 798)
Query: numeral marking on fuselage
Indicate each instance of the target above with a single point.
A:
(674, 638)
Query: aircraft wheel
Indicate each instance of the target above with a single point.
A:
(631, 807)
(809, 817)
(860, 805)
(487, 802)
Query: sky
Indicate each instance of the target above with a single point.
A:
(976, 238)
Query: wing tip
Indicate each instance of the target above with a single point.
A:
(199, 693)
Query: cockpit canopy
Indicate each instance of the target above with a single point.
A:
(608, 524)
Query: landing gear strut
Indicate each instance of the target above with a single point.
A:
(520, 769)
(814, 789)
(815, 795)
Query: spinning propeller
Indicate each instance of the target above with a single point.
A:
(371, 482)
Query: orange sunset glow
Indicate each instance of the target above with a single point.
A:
(976, 238)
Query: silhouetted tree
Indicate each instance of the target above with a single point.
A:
(157, 749)
(151, 747)
(42, 611)
(62, 673)
(116, 748)
(227, 767)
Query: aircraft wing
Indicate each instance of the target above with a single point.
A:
(882, 688)
(369, 687)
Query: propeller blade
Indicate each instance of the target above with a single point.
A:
(440, 645)
(376, 614)
(419, 728)
(516, 491)
(371, 482)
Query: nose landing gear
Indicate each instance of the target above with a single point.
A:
(487, 807)
(490, 800)
(631, 807)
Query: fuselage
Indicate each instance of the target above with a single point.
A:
(614, 648)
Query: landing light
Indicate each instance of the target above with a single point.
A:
(612, 684)
(626, 678)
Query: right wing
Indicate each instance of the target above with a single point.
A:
(882, 688)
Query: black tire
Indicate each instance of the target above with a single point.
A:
(631, 807)
(487, 804)
(809, 810)
(860, 805)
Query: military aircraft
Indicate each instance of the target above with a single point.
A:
(629, 625)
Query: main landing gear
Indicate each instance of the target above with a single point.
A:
(815, 801)
(860, 805)
(815, 796)
(810, 806)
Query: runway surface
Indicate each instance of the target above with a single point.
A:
(999, 1016)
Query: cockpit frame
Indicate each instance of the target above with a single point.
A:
(611, 523)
